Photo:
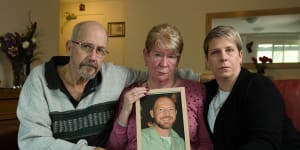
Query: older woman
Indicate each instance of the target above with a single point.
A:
(162, 53)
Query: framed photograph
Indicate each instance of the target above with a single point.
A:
(162, 109)
(116, 29)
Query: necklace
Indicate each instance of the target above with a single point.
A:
(217, 108)
(218, 98)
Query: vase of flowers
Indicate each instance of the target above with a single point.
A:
(18, 73)
(260, 67)
(19, 48)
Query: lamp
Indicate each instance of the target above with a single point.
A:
(70, 16)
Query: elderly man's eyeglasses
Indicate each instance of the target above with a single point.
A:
(89, 47)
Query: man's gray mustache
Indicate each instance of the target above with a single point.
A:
(89, 64)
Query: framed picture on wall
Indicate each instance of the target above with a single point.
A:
(116, 29)
(162, 109)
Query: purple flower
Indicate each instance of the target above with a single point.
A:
(18, 46)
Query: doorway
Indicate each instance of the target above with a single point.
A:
(70, 21)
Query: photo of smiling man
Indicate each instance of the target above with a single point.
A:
(160, 134)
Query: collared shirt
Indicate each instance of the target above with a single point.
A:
(51, 75)
(152, 140)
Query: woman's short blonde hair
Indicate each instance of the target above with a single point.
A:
(166, 36)
(228, 32)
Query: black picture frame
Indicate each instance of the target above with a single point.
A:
(116, 29)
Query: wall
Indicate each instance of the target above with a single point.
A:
(14, 14)
(189, 17)
(103, 11)
(140, 16)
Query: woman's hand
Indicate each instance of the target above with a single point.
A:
(130, 97)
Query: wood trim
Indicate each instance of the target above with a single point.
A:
(8, 103)
(247, 13)
(8, 116)
(275, 66)
(9, 93)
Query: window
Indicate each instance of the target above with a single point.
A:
(281, 47)
(280, 53)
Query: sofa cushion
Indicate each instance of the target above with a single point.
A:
(290, 90)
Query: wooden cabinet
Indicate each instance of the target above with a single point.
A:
(8, 103)
(9, 123)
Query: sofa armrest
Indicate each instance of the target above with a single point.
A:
(290, 91)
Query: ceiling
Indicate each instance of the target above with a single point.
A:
(263, 24)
